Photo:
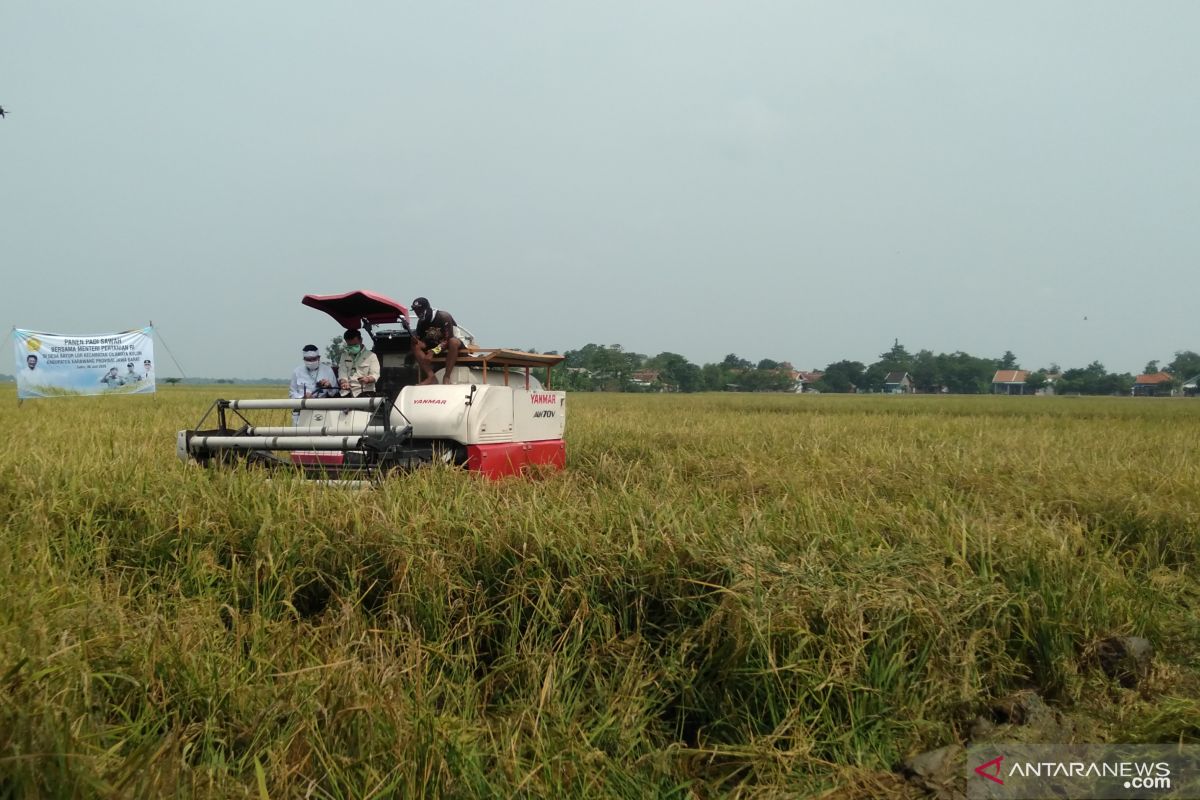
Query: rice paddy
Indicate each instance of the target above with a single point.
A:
(722, 595)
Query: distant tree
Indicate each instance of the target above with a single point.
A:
(767, 363)
(608, 366)
(963, 373)
(579, 358)
(875, 376)
(925, 373)
(1151, 368)
(1008, 361)
(1184, 365)
(573, 379)
(732, 361)
(842, 376)
(333, 352)
(1076, 380)
(1115, 383)
(1036, 381)
(897, 358)
(677, 371)
(612, 367)
(766, 380)
(171, 381)
(1094, 379)
(713, 378)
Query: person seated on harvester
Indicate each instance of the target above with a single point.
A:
(436, 332)
(311, 379)
(358, 369)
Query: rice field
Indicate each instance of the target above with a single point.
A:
(723, 595)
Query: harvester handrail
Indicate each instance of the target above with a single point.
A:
(311, 430)
(503, 357)
(325, 403)
(214, 442)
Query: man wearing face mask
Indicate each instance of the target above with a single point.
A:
(436, 332)
(311, 379)
(359, 368)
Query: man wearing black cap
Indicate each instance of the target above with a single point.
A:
(359, 368)
(437, 332)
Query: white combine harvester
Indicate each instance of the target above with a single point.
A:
(496, 418)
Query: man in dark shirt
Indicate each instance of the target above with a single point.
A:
(436, 332)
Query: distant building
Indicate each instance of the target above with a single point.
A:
(650, 379)
(1191, 387)
(1158, 384)
(897, 383)
(1009, 381)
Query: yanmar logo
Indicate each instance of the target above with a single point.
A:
(543, 399)
(429, 402)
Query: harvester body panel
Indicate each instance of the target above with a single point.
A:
(464, 414)
(335, 422)
(539, 415)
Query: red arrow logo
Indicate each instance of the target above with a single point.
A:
(991, 770)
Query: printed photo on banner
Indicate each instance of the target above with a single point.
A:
(65, 365)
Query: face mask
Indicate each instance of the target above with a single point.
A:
(353, 349)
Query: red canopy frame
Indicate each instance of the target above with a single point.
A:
(352, 308)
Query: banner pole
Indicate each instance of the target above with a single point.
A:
(12, 338)
(168, 349)
(156, 358)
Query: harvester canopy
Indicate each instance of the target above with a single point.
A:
(353, 308)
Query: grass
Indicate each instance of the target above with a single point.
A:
(721, 595)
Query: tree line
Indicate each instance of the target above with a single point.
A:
(597, 367)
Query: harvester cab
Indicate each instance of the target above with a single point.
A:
(392, 345)
(499, 416)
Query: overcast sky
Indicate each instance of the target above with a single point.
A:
(790, 180)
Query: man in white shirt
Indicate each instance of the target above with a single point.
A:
(311, 379)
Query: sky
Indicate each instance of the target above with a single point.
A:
(801, 181)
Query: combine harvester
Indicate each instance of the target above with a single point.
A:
(496, 418)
